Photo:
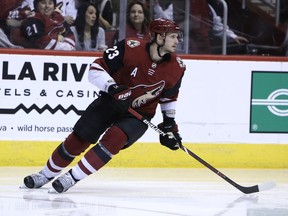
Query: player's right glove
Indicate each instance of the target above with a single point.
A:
(172, 139)
(121, 97)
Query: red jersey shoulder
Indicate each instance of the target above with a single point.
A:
(175, 68)
(175, 58)
(135, 50)
(134, 43)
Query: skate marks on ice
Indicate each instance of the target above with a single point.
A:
(145, 192)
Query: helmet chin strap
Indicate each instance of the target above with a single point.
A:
(158, 48)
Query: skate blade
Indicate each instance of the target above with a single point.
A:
(52, 191)
(23, 187)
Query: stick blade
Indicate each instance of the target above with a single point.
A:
(267, 186)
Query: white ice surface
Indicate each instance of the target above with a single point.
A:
(147, 192)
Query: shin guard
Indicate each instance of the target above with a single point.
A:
(112, 142)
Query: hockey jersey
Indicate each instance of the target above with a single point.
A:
(151, 83)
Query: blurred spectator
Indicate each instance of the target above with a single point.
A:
(138, 19)
(106, 14)
(68, 10)
(23, 10)
(199, 27)
(5, 42)
(11, 14)
(162, 10)
(88, 34)
(206, 26)
(48, 29)
(284, 11)
(14, 9)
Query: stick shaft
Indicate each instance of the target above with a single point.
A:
(246, 190)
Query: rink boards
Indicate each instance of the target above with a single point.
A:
(31, 153)
(232, 111)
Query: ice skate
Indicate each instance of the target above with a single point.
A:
(64, 182)
(36, 180)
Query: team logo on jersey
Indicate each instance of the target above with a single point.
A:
(150, 92)
(181, 63)
(133, 43)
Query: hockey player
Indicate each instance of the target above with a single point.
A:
(47, 28)
(134, 73)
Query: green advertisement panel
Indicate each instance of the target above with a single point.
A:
(269, 102)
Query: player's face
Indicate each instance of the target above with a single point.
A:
(171, 42)
(46, 7)
(136, 14)
(90, 16)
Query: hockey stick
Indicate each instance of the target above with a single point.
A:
(247, 190)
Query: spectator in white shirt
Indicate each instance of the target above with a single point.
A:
(88, 34)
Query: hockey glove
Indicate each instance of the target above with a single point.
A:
(121, 97)
(172, 139)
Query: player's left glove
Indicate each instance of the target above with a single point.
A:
(172, 139)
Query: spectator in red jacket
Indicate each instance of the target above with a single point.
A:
(47, 29)
(11, 15)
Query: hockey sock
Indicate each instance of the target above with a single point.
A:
(64, 154)
(111, 143)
